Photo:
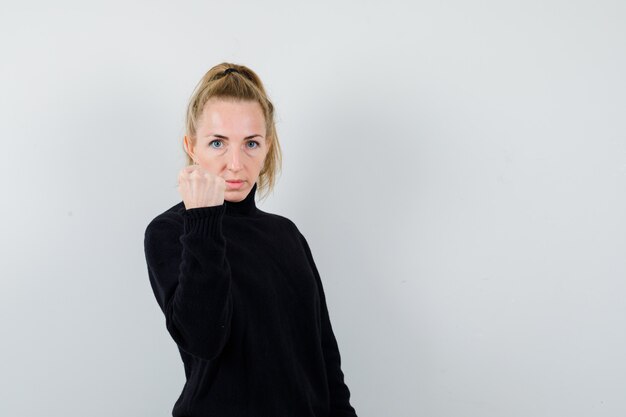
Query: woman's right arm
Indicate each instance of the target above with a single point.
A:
(191, 279)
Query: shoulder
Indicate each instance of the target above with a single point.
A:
(168, 220)
(280, 221)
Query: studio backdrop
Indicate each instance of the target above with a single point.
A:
(458, 169)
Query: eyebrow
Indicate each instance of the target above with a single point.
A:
(225, 137)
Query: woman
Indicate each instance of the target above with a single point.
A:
(241, 294)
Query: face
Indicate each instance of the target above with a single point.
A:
(231, 143)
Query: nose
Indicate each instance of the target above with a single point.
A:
(234, 162)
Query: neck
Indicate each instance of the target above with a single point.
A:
(244, 207)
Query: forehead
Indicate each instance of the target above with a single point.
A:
(234, 116)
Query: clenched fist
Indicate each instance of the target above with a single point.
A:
(200, 188)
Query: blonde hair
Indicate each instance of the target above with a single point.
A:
(244, 84)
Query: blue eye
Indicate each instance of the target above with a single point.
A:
(254, 141)
(216, 140)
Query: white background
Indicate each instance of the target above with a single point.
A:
(457, 167)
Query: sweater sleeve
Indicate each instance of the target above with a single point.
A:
(190, 278)
(339, 391)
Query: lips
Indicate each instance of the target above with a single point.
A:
(235, 184)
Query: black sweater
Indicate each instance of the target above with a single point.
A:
(244, 302)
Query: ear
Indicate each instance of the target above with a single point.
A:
(188, 147)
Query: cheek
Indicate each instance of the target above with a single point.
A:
(260, 161)
(209, 166)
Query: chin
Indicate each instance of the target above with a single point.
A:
(235, 196)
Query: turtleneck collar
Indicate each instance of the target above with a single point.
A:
(244, 207)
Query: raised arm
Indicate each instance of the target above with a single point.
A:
(339, 392)
(191, 279)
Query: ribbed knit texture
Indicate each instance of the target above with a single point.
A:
(244, 302)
